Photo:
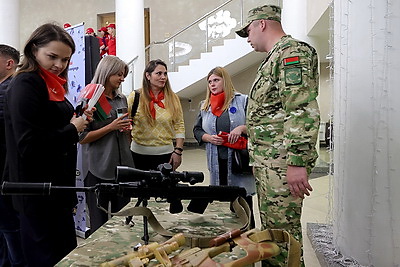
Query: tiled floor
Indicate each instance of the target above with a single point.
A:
(315, 208)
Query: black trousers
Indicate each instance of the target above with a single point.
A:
(149, 162)
(10, 237)
(47, 237)
(223, 171)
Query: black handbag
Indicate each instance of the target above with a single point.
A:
(240, 162)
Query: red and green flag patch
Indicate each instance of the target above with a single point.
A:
(291, 60)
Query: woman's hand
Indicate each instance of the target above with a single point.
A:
(175, 160)
(79, 123)
(122, 123)
(234, 135)
(213, 139)
(89, 113)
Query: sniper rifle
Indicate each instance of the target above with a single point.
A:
(164, 185)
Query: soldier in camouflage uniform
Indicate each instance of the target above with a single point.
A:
(282, 121)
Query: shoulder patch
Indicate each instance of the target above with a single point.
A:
(293, 76)
(291, 60)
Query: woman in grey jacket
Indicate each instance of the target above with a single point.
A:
(224, 109)
(106, 142)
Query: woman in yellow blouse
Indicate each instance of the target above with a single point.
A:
(157, 121)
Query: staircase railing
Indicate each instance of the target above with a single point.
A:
(199, 36)
(130, 78)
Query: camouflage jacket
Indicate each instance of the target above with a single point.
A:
(283, 114)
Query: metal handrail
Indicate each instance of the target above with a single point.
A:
(132, 70)
(204, 17)
(132, 60)
(191, 24)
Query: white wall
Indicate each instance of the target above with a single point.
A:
(9, 17)
(325, 92)
(34, 13)
(315, 9)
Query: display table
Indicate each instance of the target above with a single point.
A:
(115, 239)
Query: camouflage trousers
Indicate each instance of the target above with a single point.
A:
(278, 209)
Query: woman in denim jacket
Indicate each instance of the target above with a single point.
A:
(224, 109)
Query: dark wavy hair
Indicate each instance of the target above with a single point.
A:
(43, 35)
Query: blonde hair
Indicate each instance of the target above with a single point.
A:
(229, 89)
(172, 102)
(109, 66)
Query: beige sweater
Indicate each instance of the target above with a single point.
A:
(158, 138)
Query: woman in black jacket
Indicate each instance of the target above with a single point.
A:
(41, 137)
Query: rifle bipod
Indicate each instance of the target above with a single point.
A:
(175, 207)
(129, 218)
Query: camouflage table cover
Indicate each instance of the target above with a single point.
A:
(115, 239)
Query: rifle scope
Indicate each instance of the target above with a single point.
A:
(164, 175)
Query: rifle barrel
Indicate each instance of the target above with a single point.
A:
(44, 189)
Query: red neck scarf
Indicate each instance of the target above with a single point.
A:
(157, 101)
(54, 85)
(217, 101)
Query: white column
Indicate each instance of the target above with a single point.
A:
(9, 19)
(294, 21)
(367, 131)
(130, 39)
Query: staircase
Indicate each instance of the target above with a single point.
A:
(235, 55)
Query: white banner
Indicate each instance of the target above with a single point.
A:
(76, 83)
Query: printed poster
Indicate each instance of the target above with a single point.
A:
(76, 82)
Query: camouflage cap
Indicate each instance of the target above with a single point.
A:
(268, 12)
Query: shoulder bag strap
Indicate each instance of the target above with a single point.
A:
(135, 104)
